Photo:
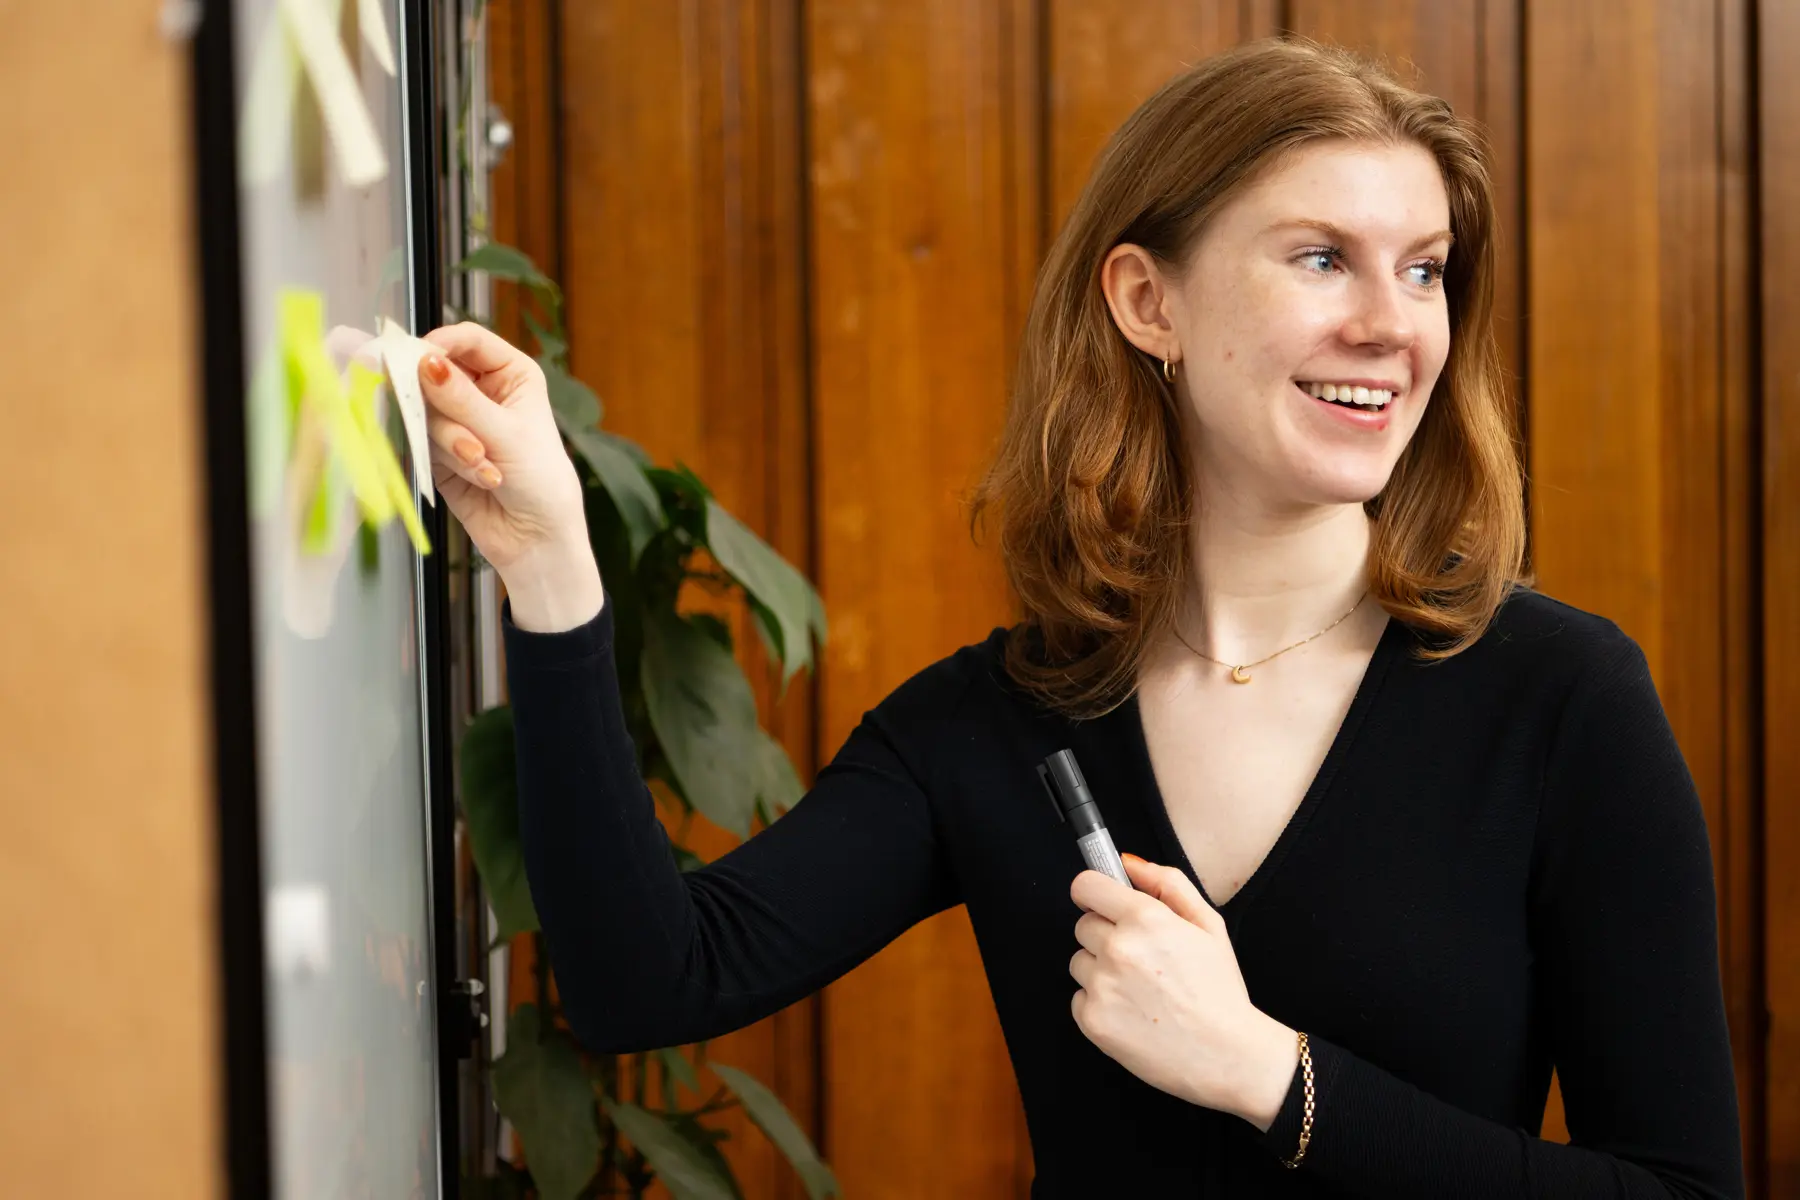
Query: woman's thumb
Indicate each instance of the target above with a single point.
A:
(1173, 888)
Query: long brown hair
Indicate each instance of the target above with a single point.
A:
(1091, 483)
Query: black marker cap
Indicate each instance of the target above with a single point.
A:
(1062, 779)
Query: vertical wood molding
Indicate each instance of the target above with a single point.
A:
(111, 1020)
(683, 248)
(1779, 121)
(909, 160)
(1639, 358)
(1106, 58)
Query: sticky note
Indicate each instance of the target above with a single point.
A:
(402, 353)
(313, 375)
(364, 385)
(265, 128)
(373, 20)
(312, 26)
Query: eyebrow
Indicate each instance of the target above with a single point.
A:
(1339, 234)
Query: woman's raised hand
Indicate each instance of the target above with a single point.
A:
(499, 463)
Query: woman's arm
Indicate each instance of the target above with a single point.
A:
(647, 956)
(1623, 915)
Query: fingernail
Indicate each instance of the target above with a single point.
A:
(469, 450)
(1134, 858)
(489, 475)
(437, 369)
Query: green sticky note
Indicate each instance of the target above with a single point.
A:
(315, 377)
(363, 386)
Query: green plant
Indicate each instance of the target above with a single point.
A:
(586, 1127)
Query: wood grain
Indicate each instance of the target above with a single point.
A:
(110, 1031)
(1638, 408)
(682, 251)
(1779, 158)
(1106, 58)
(910, 150)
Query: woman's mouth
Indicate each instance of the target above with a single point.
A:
(1350, 395)
(1363, 407)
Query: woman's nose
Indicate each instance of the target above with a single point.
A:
(1379, 317)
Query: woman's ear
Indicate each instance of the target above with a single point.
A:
(1141, 298)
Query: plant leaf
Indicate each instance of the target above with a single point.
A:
(574, 402)
(678, 1165)
(705, 718)
(551, 346)
(490, 804)
(781, 590)
(510, 263)
(620, 472)
(540, 1086)
(773, 1118)
(776, 783)
(680, 1067)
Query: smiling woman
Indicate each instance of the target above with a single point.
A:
(1424, 834)
(1277, 223)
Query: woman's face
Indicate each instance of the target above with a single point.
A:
(1324, 274)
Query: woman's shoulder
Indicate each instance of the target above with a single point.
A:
(942, 691)
(1554, 642)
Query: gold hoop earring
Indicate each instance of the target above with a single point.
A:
(1168, 371)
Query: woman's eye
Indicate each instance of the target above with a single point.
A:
(1319, 261)
(1428, 274)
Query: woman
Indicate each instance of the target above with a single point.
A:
(1259, 495)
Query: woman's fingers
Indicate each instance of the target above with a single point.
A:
(466, 455)
(477, 348)
(452, 393)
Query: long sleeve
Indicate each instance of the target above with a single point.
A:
(1623, 923)
(648, 956)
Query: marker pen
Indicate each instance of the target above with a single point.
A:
(1075, 805)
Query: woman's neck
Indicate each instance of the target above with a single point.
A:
(1264, 580)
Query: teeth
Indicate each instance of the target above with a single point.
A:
(1345, 393)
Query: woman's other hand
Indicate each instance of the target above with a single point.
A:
(1161, 994)
(499, 463)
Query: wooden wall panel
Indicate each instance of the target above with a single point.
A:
(1637, 393)
(1779, 122)
(526, 204)
(681, 247)
(109, 1021)
(1106, 58)
(909, 161)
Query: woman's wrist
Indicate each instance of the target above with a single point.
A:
(1272, 1054)
(554, 588)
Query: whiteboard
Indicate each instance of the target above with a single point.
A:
(340, 690)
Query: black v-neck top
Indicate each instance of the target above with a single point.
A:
(1501, 866)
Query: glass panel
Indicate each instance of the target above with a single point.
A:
(341, 737)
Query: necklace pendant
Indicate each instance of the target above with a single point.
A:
(1239, 675)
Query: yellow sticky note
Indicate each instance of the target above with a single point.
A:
(314, 377)
(312, 25)
(363, 386)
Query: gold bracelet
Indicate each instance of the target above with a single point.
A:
(1306, 1124)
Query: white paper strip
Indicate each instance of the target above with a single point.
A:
(347, 119)
(370, 15)
(402, 353)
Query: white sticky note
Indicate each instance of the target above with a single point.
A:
(297, 926)
(352, 130)
(402, 352)
(265, 131)
(369, 15)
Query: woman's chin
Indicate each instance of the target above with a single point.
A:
(1332, 487)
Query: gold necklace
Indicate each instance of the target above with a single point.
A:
(1240, 673)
